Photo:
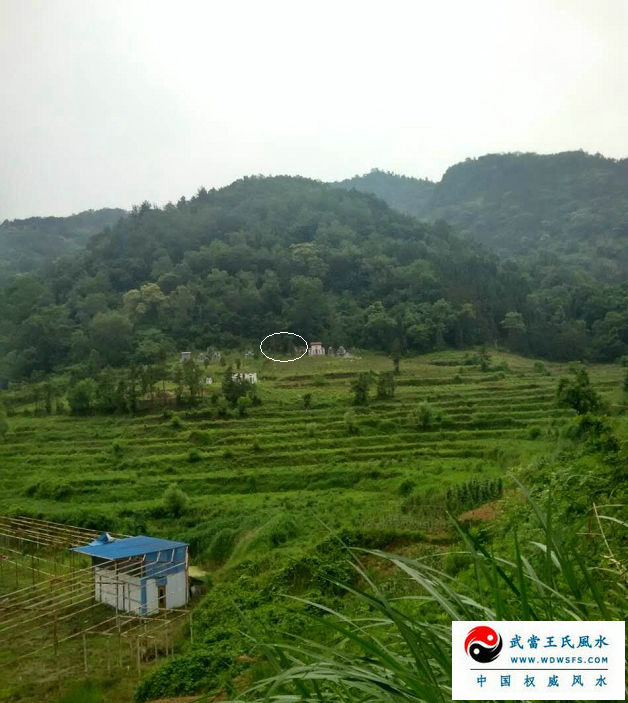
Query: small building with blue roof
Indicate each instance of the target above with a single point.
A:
(140, 575)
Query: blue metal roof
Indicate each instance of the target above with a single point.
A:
(127, 547)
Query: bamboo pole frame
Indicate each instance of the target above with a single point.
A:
(54, 603)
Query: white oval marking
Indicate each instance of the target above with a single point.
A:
(283, 361)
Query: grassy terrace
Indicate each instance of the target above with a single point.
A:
(64, 467)
(266, 488)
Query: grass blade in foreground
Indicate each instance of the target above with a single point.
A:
(402, 650)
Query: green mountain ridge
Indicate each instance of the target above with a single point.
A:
(527, 206)
(228, 266)
(27, 244)
(569, 207)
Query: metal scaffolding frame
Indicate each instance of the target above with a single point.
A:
(60, 608)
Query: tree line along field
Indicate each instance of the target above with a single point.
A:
(227, 266)
(116, 466)
(256, 494)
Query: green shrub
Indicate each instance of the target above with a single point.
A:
(385, 385)
(596, 431)
(175, 501)
(82, 396)
(405, 487)
(182, 675)
(577, 392)
(360, 387)
(176, 422)
(425, 417)
(194, 455)
(485, 360)
(242, 403)
(534, 432)
(222, 409)
(310, 429)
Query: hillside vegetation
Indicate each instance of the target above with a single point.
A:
(267, 498)
(497, 481)
(26, 245)
(564, 209)
(228, 267)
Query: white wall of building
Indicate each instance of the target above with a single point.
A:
(117, 590)
(126, 591)
(177, 590)
(152, 597)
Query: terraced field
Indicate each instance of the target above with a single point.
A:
(95, 471)
(263, 490)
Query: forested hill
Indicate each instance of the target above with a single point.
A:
(228, 267)
(25, 245)
(410, 195)
(572, 205)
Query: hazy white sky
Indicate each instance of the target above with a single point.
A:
(109, 103)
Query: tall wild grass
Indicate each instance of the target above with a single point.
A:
(399, 648)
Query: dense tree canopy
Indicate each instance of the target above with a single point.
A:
(555, 211)
(229, 266)
(25, 245)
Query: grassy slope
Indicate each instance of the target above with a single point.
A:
(284, 460)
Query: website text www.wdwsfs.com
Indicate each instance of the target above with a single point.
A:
(559, 660)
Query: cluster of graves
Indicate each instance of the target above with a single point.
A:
(318, 349)
(215, 357)
(212, 356)
(208, 357)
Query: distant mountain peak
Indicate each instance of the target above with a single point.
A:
(571, 203)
